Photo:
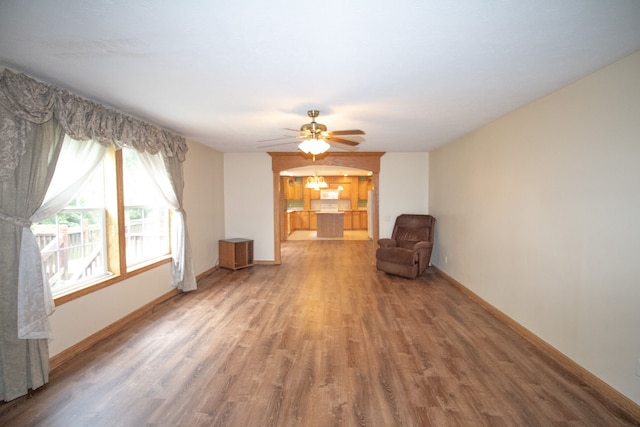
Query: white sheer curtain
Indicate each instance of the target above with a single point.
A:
(168, 178)
(77, 160)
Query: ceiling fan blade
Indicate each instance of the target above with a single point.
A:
(347, 132)
(276, 139)
(275, 145)
(343, 147)
(343, 141)
(292, 130)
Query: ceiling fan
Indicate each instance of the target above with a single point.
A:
(317, 139)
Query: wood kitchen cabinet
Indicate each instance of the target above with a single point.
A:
(313, 194)
(345, 193)
(292, 188)
(355, 221)
(313, 220)
(364, 220)
(293, 221)
(287, 187)
(297, 188)
(348, 220)
(364, 185)
(288, 225)
(299, 220)
(306, 201)
(308, 220)
(303, 220)
(296, 220)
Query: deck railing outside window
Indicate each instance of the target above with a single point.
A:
(73, 247)
(146, 232)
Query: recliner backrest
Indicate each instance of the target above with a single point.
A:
(410, 229)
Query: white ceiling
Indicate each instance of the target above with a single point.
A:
(414, 74)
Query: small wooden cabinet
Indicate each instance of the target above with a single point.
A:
(235, 253)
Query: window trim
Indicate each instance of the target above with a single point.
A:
(111, 280)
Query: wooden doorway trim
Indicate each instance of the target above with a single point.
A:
(284, 161)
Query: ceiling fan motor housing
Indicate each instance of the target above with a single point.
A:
(313, 128)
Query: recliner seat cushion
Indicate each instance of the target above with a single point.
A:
(397, 255)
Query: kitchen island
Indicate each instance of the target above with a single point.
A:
(330, 224)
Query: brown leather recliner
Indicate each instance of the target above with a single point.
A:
(408, 252)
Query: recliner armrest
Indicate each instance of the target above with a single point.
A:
(387, 243)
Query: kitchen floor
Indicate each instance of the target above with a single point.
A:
(313, 235)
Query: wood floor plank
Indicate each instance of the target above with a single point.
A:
(322, 340)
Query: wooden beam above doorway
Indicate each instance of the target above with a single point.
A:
(367, 161)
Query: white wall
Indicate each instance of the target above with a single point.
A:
(76, 320)
(404, 187)
(248, 195)
(248, 189)
(538, 213)
(204, 203)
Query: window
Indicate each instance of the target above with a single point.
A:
(105, 232)
(146, 218)
(73, 242)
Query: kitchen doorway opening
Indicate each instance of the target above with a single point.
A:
(289, 161)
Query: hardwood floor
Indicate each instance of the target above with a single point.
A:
(313, 235)
(322, 340)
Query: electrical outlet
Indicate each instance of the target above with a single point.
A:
(638, 367)
(446, 260)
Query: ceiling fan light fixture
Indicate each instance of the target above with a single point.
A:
(314, 146)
